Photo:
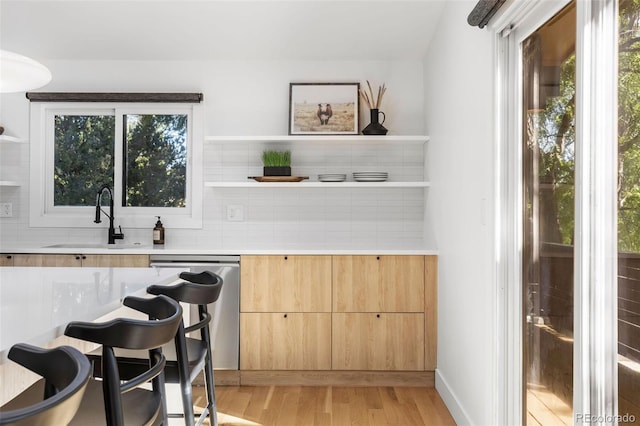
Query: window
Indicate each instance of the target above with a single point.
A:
(145, 152)
(83, 157)
(155, 154)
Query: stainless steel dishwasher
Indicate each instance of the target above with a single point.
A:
(225, 312)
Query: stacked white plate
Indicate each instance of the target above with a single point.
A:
(370, 176)
(332, 177)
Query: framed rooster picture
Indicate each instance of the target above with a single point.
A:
(323, 108)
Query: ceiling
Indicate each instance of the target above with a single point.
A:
(218, 29)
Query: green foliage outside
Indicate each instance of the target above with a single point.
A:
(83, 157)
(556, 141)
(156, 160)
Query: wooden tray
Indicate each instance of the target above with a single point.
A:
(278, 178)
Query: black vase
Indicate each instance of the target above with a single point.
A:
(375, 127)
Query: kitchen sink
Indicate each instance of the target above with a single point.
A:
(94, 246)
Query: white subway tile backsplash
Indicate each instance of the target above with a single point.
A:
(304, 218)
(323, 218)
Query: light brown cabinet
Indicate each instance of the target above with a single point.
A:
(285, 341)
(6, 259)
(378, 341)
(285, 284)
(378, 283)
(430, 312)
(342, 313)
(285, 319)
(378, 318)
(79, 260)
(115, 260)
(48, 260)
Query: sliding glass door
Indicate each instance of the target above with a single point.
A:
(548, 155)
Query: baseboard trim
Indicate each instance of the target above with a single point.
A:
(451, 400)
(320, 378)
(221, 377)
(337, 378)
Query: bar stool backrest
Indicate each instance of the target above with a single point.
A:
(65, 371)
(199, 289)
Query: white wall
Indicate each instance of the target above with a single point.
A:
(251, 98)
(459, 119)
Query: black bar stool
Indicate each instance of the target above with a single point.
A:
(188, 356)
(55, 399)
(117, 400)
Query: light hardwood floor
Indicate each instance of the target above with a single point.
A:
(546, 409)
(328, 405)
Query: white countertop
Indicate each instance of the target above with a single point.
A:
(14, 247)
(36, 304)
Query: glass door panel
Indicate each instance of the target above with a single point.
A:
(548, 223)
(629, 212)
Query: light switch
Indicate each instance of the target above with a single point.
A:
(235, 212)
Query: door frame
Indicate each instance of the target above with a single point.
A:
(595, 261)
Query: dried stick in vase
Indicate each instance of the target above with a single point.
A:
(381, 94)
(364, 96)
(375, 106)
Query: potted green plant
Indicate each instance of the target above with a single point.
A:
(276, 163)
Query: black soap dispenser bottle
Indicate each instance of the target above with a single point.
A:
(158, 232)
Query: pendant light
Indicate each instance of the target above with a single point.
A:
(20, 74)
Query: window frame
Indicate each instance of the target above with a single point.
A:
(43, 213)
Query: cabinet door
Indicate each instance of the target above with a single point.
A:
(115, 260)
(378, 283)
(285, 284)
(285, 341)
(61, 260)
(6, 259)
(377, 341)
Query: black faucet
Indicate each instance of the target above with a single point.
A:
(113, 235)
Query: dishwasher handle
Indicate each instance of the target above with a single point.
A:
(191, 264)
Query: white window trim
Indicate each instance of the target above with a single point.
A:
(43, 214)
(596, 241)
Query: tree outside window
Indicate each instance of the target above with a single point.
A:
(84, 157)
(156, 160)
(154, 156)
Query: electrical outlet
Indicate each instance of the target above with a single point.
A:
(235, 212)
(6, 210)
